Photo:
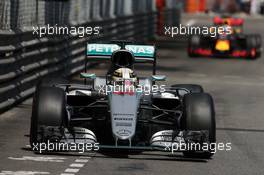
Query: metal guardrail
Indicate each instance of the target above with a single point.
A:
(26, 58)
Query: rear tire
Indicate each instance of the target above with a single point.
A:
(254, 43)
(194, 42)
(258, 39)
(199, 114)
(49, 109)
(251, 41)
(259, 45)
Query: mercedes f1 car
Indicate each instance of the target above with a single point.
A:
(111, 111)
(229, 42)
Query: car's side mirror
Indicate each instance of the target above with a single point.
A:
(158, 77)
(87, 76)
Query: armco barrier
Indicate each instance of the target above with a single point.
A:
(25, 58)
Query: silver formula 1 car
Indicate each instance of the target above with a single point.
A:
(123, 111)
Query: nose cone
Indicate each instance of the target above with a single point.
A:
(124, 108)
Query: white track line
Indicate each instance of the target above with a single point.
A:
(76, 166)
(72, 170)
(81, 160)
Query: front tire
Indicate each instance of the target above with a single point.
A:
(49, 109)
(199, 114)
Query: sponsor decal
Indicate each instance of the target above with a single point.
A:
(108, 49)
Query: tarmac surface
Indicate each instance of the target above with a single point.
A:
(237, 86)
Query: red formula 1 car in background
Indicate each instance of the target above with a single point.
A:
(233, 43)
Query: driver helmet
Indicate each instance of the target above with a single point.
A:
(121, 74)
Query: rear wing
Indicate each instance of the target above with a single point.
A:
(230, 21)
(103, 52)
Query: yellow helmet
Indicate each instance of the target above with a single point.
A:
(124, 74)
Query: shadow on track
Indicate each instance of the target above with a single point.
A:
(148, 156)
(125, 155)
